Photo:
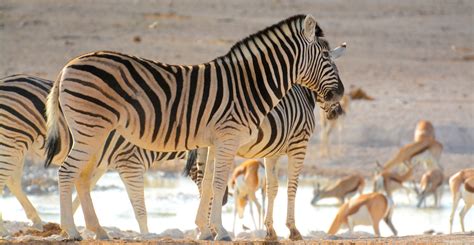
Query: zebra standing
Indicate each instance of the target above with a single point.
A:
(285, 131)
(23, 130)
(163, 107)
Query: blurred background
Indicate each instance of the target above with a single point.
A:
(414, 58)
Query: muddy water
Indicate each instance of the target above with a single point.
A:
(172, 203)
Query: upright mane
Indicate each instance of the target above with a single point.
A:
(250, 38)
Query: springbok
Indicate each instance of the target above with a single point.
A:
(366, 209)
(247, 179)
(327, 126)
(461, 185)
(431, 184)
(390, 181)
(343, 189)
(424, 150)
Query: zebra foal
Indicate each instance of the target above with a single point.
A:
(218, 104)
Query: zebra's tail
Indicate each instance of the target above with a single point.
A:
(54, 115)
(192, 159)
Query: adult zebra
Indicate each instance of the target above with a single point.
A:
(23, 131)
(285, 131)
(217, 104)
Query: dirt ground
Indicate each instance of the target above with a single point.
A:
(415, 58)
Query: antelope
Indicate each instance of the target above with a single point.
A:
(343, 189)
(366, 209)
(389, 181)
(431, 184)
(327, 126)
(424, 150)
(246, 180)
(461, 185)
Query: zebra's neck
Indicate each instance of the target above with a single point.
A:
(261, 73)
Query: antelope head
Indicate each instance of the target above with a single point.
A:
(316, 194)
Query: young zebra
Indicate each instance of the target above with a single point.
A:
(163, 107)
(23, 130)
(285, 131)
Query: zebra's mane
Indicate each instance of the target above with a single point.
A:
(250, 38)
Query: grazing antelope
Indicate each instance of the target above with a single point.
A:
(461, 185)
(327, 126)
(389, 181)
(424, 150)
(431, 184)
(366, 209)
(247, 179)
(343, 189)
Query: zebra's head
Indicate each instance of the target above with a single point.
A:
(317, 69)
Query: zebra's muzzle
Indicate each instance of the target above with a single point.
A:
(333, 111)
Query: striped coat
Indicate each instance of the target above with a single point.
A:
(162, 107)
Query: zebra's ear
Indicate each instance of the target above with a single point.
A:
(338, 51)
(311, 28)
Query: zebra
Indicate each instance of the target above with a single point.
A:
(23, 131)
(162, 107)
(285, 131)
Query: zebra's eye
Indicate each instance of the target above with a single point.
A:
(325, 54)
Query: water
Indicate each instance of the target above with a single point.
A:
(174, 203)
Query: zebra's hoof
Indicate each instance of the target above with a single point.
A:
(225, 238)
(101, 234)
(37, 226)
(295, 235)
(71, 236)
(205, 236)
(271, 235)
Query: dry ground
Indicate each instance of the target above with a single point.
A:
(400, 53)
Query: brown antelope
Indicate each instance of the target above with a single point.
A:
(461, 185)
(343, 189)
(389, 181)
(327, 126)
(366, 209)
(247, 179)
(424, 150)
(431, 184)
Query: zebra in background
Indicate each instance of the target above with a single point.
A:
(285, 131)
(163, 107)
(23, 130)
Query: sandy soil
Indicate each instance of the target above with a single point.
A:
(415, 58)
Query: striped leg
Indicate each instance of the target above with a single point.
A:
(80, 158)
(14, 184)
(83, 187)
(224, 158)
(8, 165)
(272, 190)
(98, 173)
(295, 163)
(133, 179)
(202, 218)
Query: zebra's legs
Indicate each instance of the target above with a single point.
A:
(202, 216)
(295, 163)
(98, 173)
(272, 190)
(14, 184)
(8, 165)
(224, 158)
(83, 187)
(134, 184)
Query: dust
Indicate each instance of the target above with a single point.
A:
(49, 229)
